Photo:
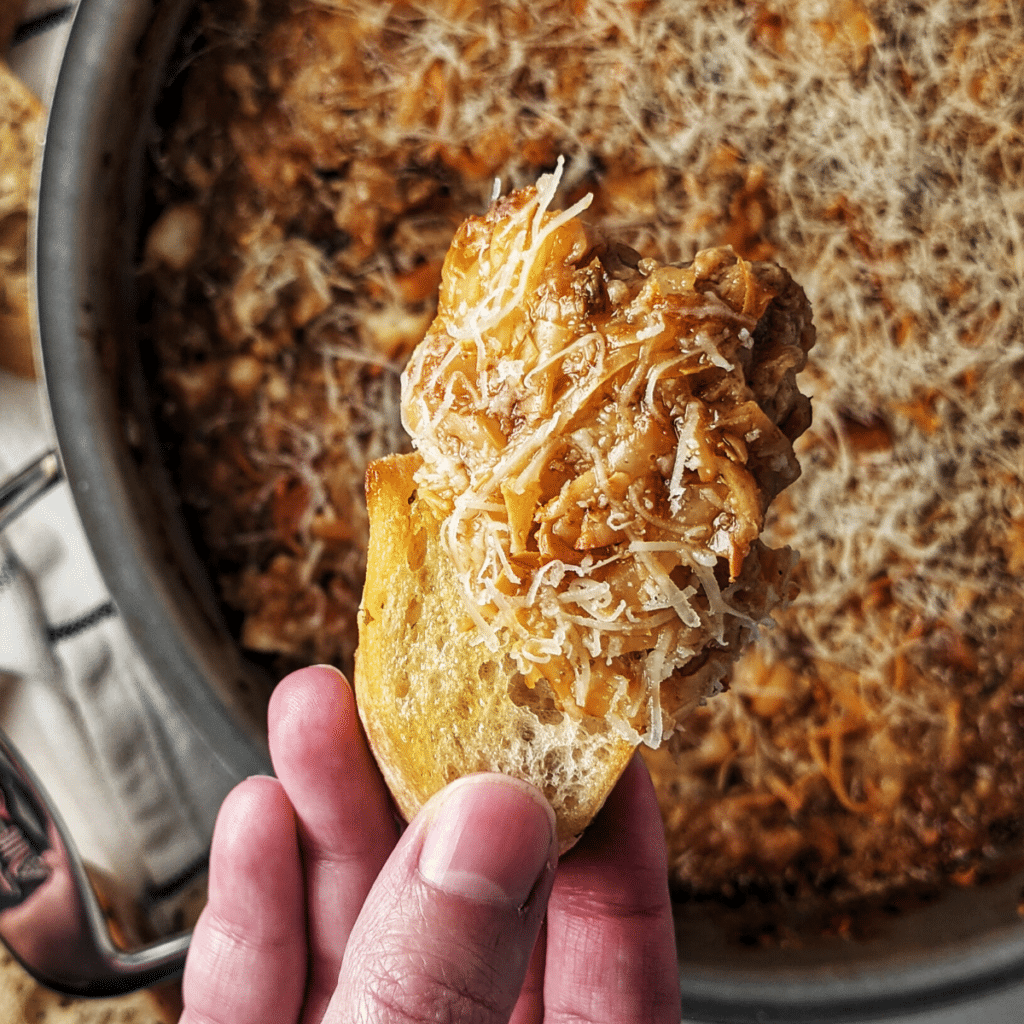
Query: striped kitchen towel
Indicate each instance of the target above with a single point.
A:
(138, 790)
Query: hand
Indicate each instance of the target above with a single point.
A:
(319, 911)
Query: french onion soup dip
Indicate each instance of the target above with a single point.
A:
(315, 160)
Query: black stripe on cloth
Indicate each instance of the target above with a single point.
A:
(66, 630)
(37, 26)
(158, 893)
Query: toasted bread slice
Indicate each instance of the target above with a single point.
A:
(438, 704)
(572, 561)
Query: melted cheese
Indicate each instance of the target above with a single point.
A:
(544, 413)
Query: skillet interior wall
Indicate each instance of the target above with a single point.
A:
(315, 161)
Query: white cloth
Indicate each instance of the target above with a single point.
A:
(130, 777)
(137, 789)
(39, 43)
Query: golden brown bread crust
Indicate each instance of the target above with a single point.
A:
(437, 705)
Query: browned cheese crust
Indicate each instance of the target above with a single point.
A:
(21, 122)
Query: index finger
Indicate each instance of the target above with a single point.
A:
(345, 826)
(611, 952)
(247, 960)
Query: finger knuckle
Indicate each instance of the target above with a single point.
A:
(456, 990)
(632, 907)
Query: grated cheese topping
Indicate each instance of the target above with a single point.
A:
(587, 457)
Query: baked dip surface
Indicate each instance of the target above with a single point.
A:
(315, 162)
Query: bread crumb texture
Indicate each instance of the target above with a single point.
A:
(874, 148)
(438, 704)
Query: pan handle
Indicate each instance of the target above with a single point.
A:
(22, 489)
(50, 917)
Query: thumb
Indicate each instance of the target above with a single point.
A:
(448, 927)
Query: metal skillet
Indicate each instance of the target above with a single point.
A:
(50, 917)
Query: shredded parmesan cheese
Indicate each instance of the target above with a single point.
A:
(538, 458)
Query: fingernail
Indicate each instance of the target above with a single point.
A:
(331, 668)
(489, 839)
